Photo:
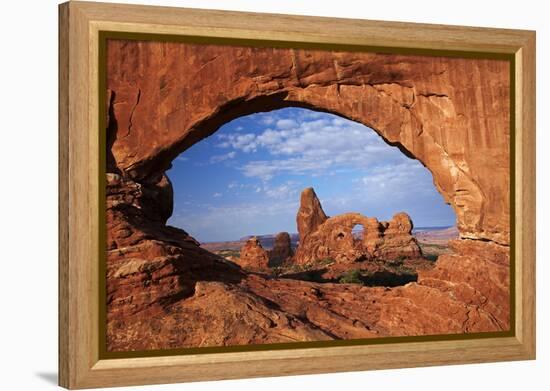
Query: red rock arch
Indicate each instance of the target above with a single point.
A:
(451, 114)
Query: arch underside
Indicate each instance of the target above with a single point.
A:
(451, 114)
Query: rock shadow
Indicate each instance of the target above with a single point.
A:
(383, 278)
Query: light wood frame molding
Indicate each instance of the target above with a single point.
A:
(80, 365)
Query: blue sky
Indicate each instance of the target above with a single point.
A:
(246, 178)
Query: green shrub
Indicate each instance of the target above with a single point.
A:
(324, 262)
(402, 269)
(351, 277)
(277, 270)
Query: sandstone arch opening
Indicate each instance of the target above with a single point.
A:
(237, 189)
(452, 114)
(358, 231)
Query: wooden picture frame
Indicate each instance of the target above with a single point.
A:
(80, 362)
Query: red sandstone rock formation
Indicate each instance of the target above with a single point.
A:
(282, 249)
(164, 291)
(395, 239)
(332, 238)
(253, 255)
(310, 215)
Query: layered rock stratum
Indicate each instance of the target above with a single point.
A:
(164, 291)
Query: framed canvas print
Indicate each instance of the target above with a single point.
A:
(249, 195)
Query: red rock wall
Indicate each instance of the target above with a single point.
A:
(451, 114)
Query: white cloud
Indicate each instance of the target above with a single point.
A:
(269, 137)
(286, 123)
(218, 222)
(217, 195)
(244, 142)
(400, 174)
(221, 158)
(315, 143)
(395, 181)
(267, 119)
(267, 169)
(288, 190)
(310, 114)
